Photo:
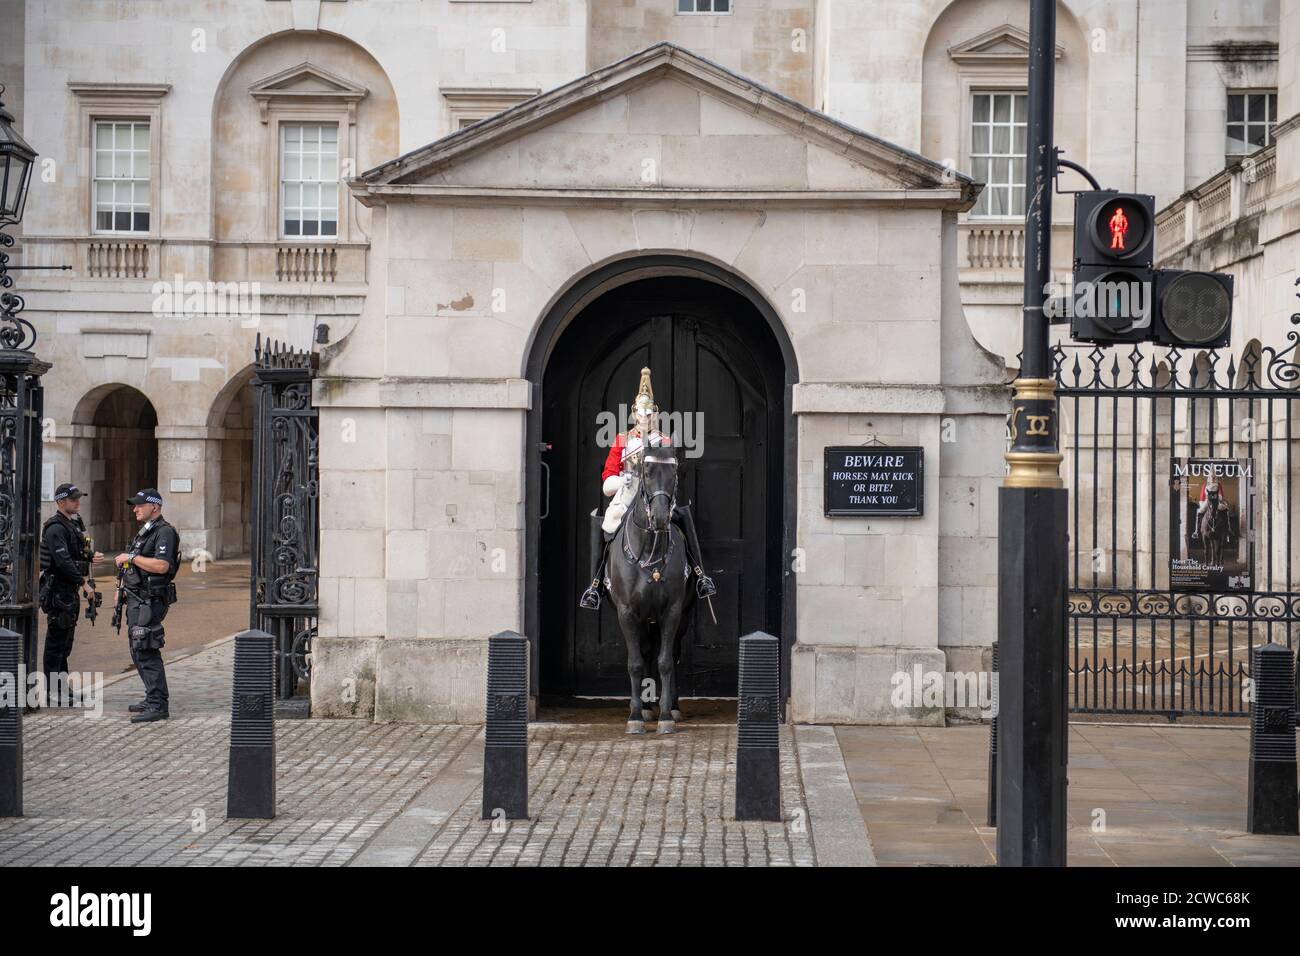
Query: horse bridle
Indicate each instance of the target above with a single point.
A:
(647, 499)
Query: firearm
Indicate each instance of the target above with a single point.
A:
(120, 602)
(96, 599)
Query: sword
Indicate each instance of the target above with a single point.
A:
(709, 598)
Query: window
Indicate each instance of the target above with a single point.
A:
(997, 150)
(703, 6)
(309, 179)
(1251, 118)
(121, 175)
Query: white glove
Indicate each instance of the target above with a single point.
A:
(628, 479)
(611, 485)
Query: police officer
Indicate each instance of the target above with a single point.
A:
(65, 564)
(146, 570)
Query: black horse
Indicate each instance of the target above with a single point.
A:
(648, 574)
(1213, 529)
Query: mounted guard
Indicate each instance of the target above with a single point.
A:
(620, 481)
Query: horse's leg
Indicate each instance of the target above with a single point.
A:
(668, 712)
(631, 626)
(648, 662)
(683, 624)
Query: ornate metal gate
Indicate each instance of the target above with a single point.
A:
(22, 400)
(286, 526)
(1138, 643)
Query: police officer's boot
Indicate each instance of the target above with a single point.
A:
(590, 599)
(704, 586)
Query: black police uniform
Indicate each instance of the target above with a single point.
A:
(65, 562)
(147, 598)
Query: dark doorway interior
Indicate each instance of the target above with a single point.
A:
(715, 364)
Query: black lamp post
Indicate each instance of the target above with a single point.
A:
(16, 161)
(21, 414)
(1032, 528)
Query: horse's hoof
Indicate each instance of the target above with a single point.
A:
(677, 714)
(636, 726)
(648, 714)
(667, 727)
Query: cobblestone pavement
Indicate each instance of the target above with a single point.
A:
(599, 797)
(101, 791)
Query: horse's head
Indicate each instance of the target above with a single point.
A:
(659, 486)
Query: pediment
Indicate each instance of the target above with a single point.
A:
(305, 82)
(1003, 45)
(662, 119)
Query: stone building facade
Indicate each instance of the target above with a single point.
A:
(492, 185)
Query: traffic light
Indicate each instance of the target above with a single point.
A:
(1119, 297)
(1193, 308)
(1114, 248)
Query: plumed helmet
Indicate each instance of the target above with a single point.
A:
(645, 395)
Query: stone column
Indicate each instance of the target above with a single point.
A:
(190, 456)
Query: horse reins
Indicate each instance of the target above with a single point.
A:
(648, 499)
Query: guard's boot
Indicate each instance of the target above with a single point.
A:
(704, 586)
(138, 707)
(149, 715)
(590, 599)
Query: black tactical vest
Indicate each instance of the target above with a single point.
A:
(75, 531)
(143, 581)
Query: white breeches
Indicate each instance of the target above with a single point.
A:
(618, 507)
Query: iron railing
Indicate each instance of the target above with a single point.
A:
(1137, 644)
(286, 517)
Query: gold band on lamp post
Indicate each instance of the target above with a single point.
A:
(1033, 470)
(1033, 459)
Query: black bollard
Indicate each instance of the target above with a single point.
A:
(251, 790)
(993, 750)
(505, 751)
(1271, 802)
(758, 735)
(13, 691)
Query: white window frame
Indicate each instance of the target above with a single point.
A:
(97, 177)
(282, 128)
(329, 99)
(119, 102)
(977, 89)
(1269, 124)
(678, 11)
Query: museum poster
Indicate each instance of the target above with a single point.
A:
(1211, 534)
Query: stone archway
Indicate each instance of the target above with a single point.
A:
(229, 504)
(116, 450)
(701, 324)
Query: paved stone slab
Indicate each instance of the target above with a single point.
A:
(839, 836)
(1167, 796)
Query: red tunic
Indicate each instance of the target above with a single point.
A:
(614, 461)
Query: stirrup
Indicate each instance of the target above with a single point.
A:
(590, 599)
(704, 586)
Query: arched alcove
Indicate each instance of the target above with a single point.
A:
(117, 453)
(294, 81)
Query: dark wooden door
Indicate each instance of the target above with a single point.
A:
(727, 410)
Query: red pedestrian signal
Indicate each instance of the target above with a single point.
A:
(1118, 229)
